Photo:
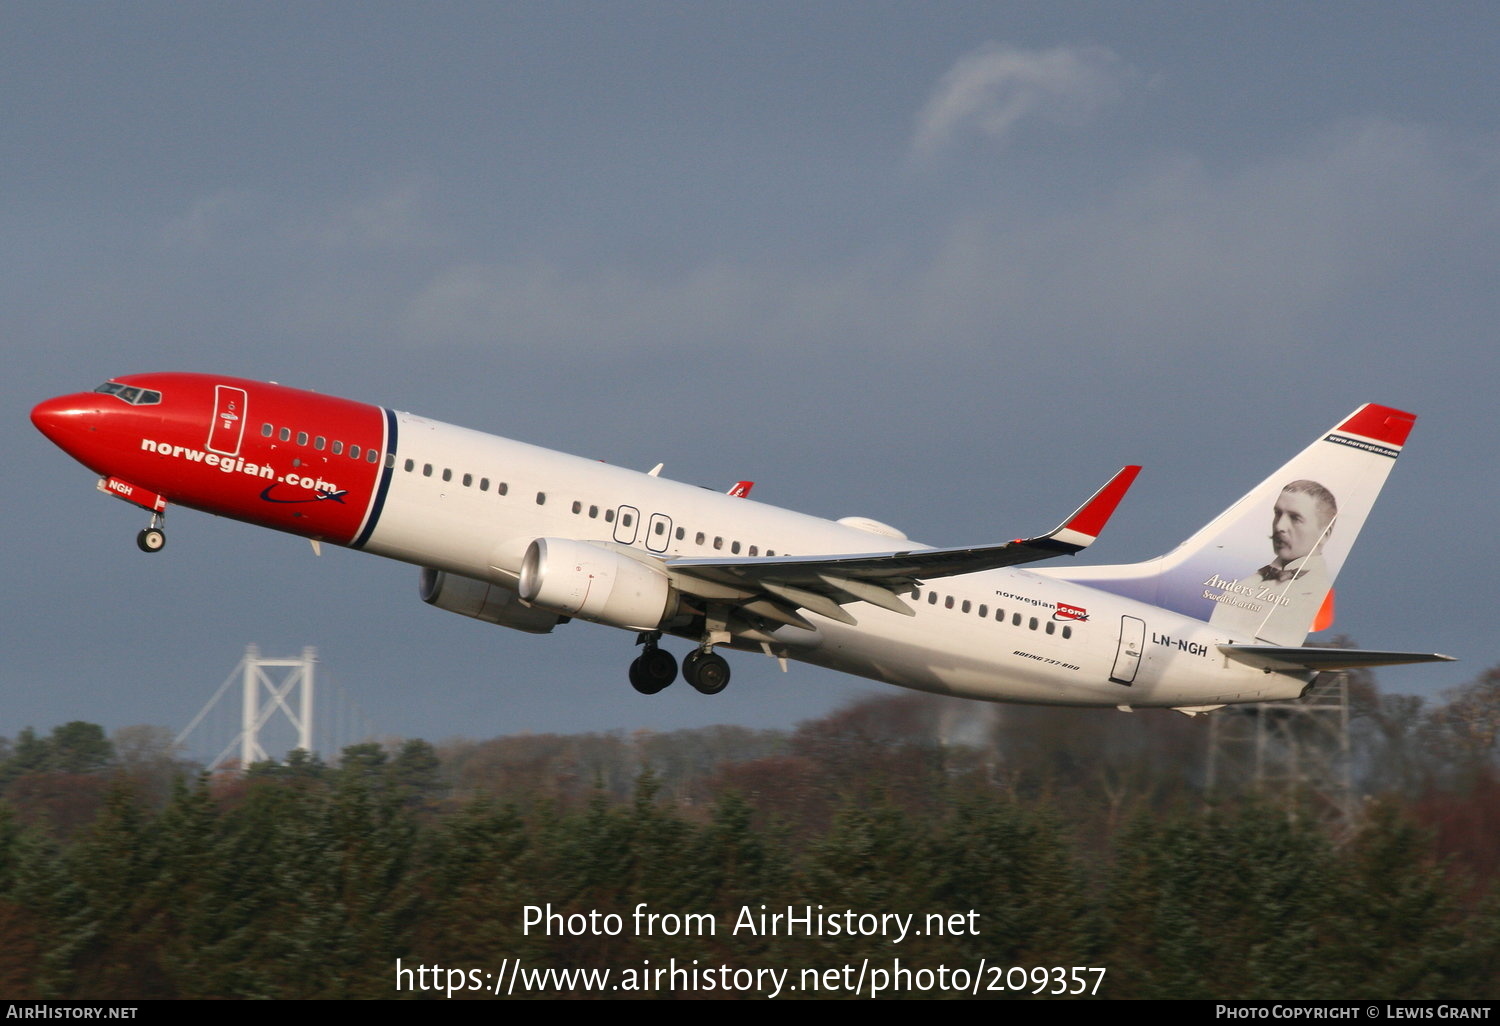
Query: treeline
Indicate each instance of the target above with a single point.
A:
(1078, 839)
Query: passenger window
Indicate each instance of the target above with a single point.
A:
(983, 611)
(266, 430)
(718, 542)
(336, 448)
(541, 498)
(447, 474)
(626, 519)
(1015, 619)
(754, 551)
(390, 461)
(609, 516)
(502, 488)
(699, 538)
(593, 512)
(948, 602)
(320, 443)
(411, 465)
(427, 470)
(301, 437)
(932, 598)
(966, 605)
(354, 453)
(285, 434)
(661, 528)
(372, 456)
(1051, 627)
(468, 480)
(734, 547)
(1067, 631)
(577, 506)
(1032, 625)
(484, 484)
(681, 534)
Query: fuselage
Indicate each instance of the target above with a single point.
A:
(470, 504)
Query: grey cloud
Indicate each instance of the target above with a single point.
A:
(1177, 254)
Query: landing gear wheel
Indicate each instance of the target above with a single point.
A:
(707, 672)
(653, 670)
(659, 665)
(152, 539)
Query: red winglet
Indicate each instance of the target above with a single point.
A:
(1094, 514)
(1380, 424)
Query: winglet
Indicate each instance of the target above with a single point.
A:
(741, 489)
(1081, 529)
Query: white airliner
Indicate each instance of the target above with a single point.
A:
(528, 538)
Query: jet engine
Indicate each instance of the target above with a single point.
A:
(492, 603)
(596, 583)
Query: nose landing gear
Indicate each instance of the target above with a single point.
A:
(153, 538)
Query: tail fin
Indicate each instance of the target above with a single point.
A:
(1264, 568)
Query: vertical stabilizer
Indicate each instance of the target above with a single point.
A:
(1264, 568)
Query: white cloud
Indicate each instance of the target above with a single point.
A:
(995, 87)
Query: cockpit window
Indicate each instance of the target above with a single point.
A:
(130, 394)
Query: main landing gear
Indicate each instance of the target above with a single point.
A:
(153, 538)
(655, 668)
(706, 671)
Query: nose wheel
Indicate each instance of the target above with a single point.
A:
(153, 538)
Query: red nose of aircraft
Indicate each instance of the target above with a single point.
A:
(70, 421)
(57, 418)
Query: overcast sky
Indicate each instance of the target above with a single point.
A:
(947, 265)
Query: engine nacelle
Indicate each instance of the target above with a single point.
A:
(595, 583)
(492, 603)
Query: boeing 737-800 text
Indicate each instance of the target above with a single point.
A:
(528, 538)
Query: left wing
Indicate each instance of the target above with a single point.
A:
(776, 587)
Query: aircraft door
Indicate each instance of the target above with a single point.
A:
(658, 532)
(228, 426)
(1128, 655)
(627, 523)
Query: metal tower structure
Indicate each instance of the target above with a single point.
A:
(268, 687)
(1297, 752)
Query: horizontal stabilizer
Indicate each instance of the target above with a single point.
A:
(1295, 658)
